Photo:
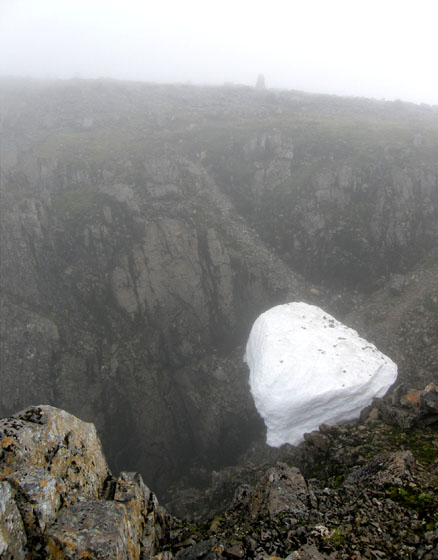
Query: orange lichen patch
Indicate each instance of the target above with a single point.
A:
(133, 548)
(5, 471)
(55, 553)
(412, 399)
(8, 441)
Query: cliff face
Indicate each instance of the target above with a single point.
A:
(145, 227)
(344, 207)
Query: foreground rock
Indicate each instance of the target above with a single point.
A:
(307, 368)
(58, 498)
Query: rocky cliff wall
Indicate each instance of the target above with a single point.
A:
(145, 227)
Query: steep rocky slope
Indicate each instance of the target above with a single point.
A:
(369, 490)
(143, 228)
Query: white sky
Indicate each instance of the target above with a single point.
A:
(373, 48)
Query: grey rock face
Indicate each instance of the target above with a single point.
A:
(12, 534)
(98, 529)
(38, 496)
(281, 489)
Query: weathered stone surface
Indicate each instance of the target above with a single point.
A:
(146, 518)
(281, 489)
(429, 399)
(38, 496)
(53, 470)
(93, 529)
(307, 552)
(12, 535)
(418, 407)
(51, 439)
(389, 469)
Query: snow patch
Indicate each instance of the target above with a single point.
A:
(307, 368)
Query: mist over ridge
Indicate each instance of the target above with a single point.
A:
(374, 49)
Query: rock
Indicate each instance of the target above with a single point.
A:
(51, 439)
(123, 269)
(235, 551)
(148, 521)
(429, 398)
(93, 529)
(281, 489)
(359, 508)
(56, 492)
(13, 539)
(39, 496)
(306, 368)
(205, 550)
(306, 552)
(386, 470)
(317, 439)
(396, 284)
(127, 258)
(418, 407)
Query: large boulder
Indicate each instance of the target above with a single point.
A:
(307, 368)
(58, 498)
(55, 441)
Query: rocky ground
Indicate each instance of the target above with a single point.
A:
(361, 490)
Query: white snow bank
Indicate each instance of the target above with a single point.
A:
(307, 368)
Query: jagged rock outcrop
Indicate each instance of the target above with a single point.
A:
(58, 498)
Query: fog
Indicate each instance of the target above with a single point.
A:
(378, 48)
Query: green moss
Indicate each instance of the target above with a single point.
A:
(407, 497)
(420, 443)
(337, 481)
(432, 524)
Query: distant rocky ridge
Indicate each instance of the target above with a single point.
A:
(145, 227)
(375, 495)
